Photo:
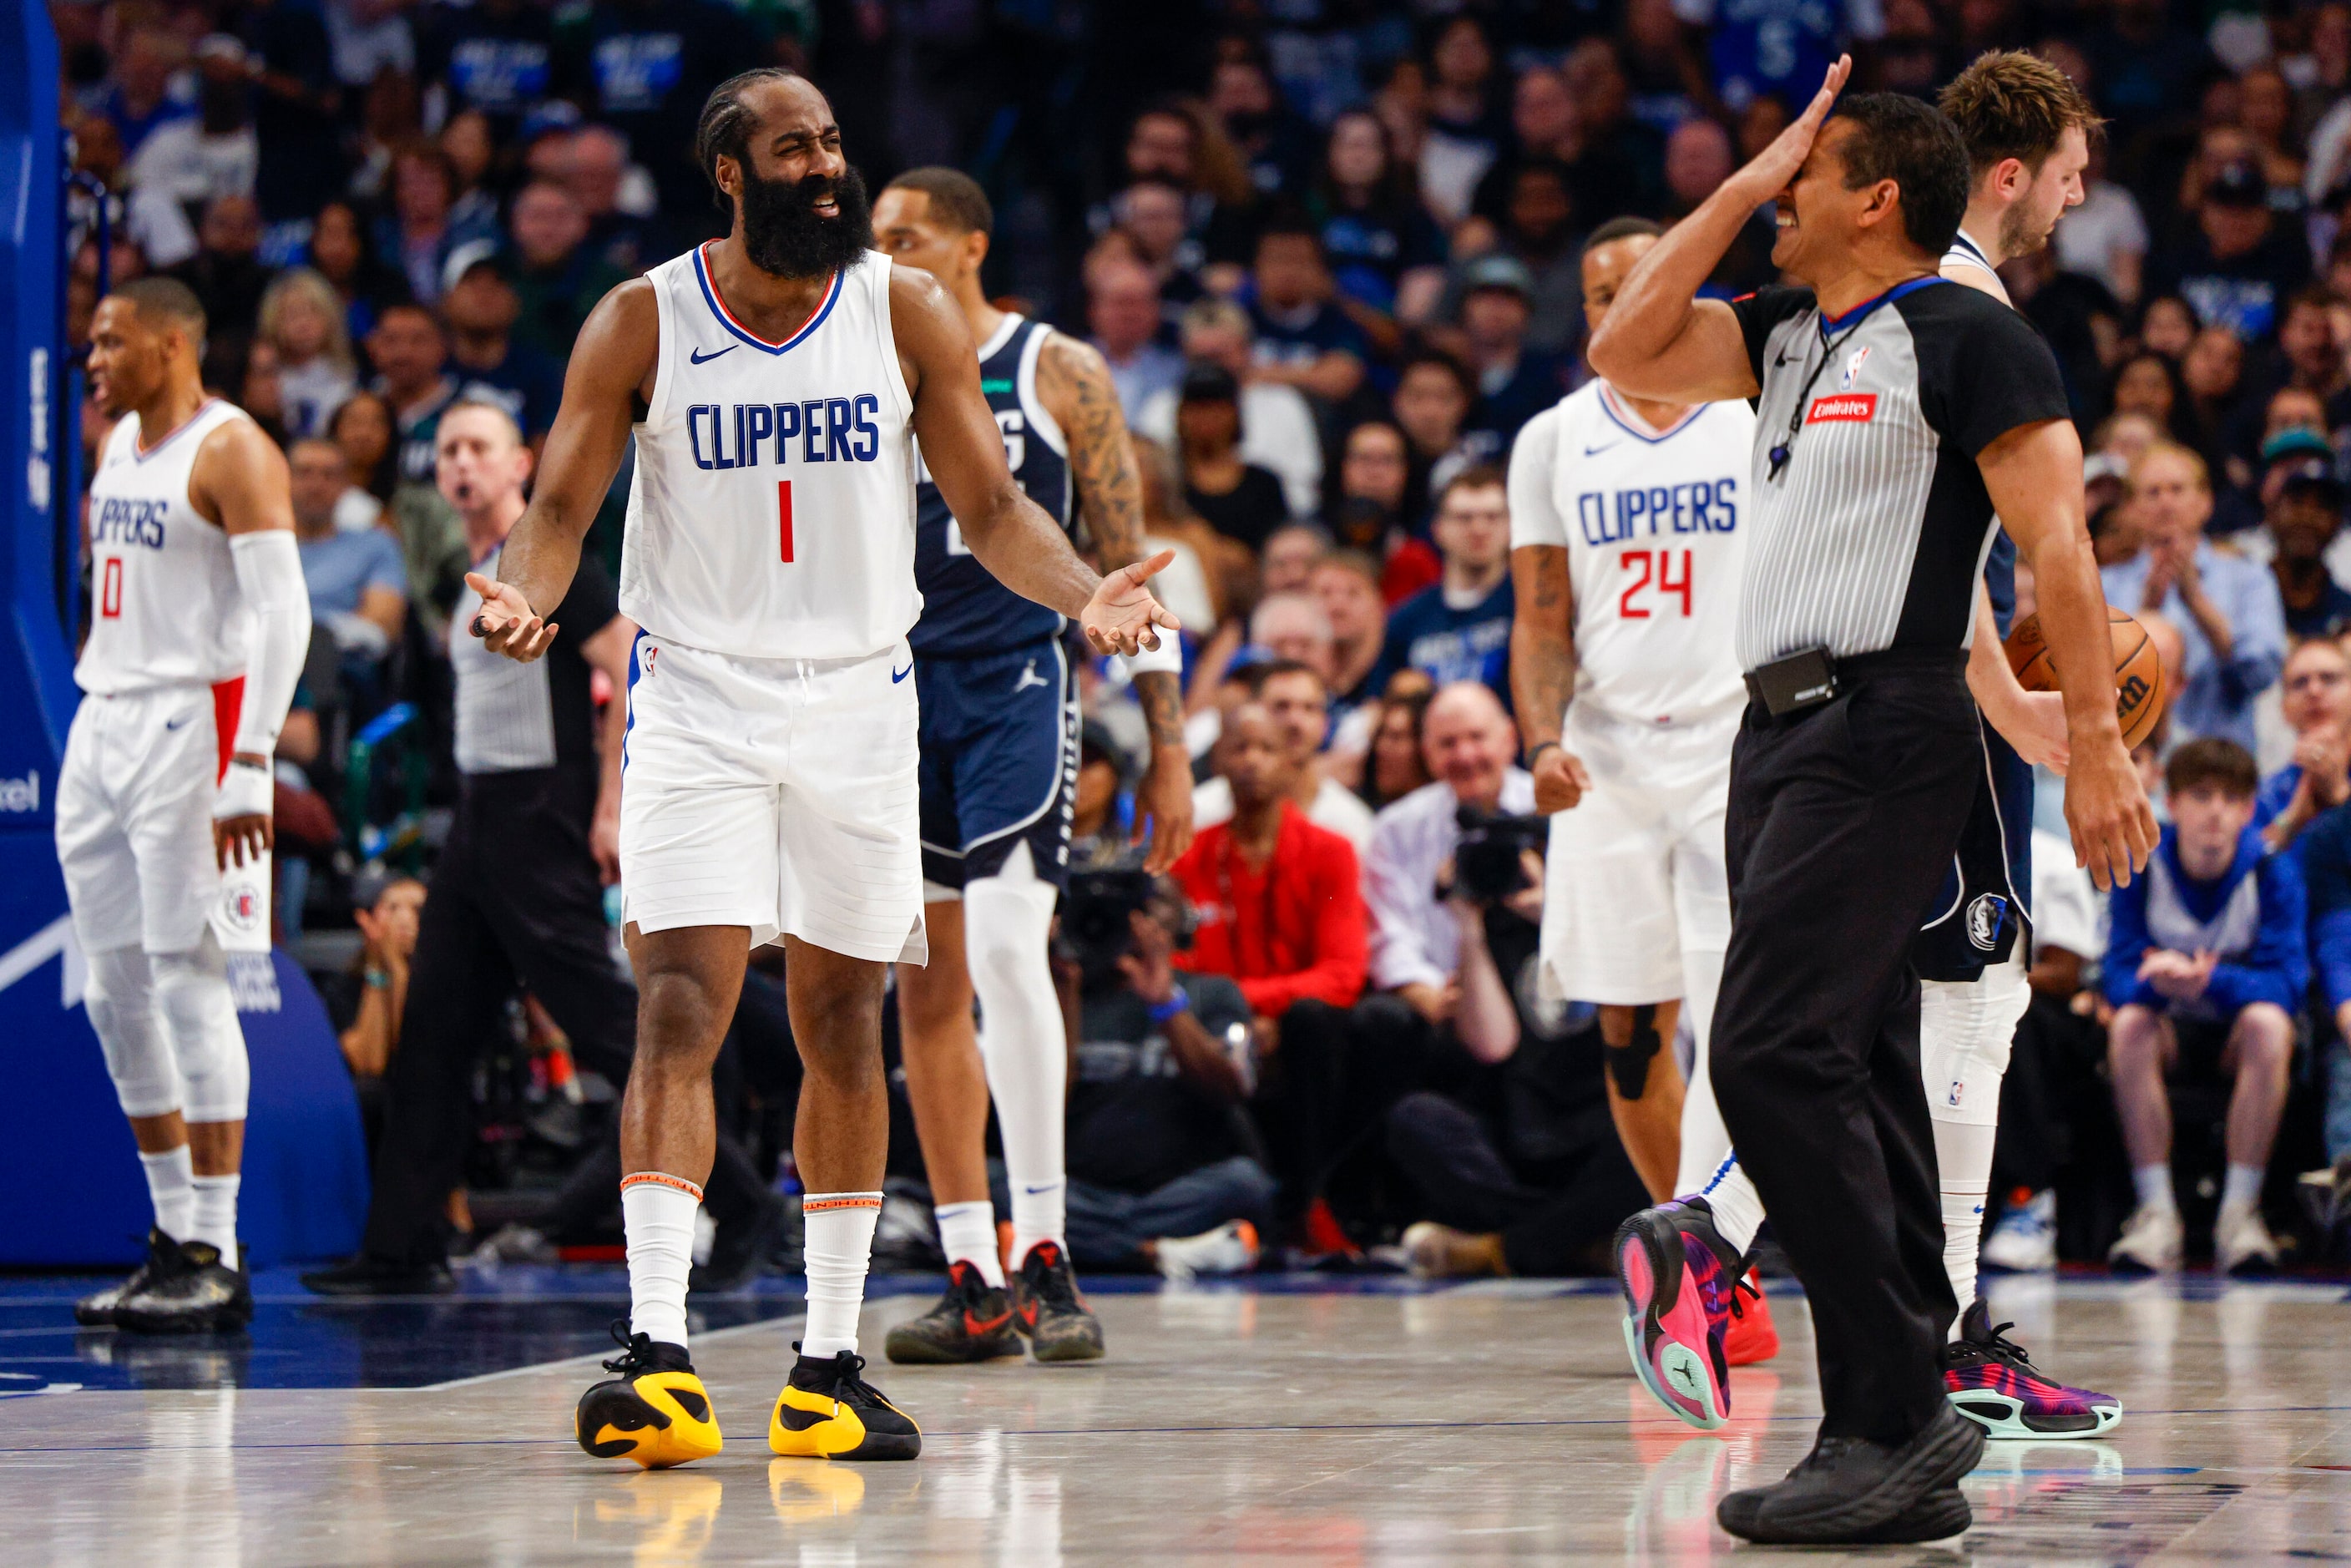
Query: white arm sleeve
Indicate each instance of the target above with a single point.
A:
(1534, 498)
(1167, 658)
(270, 576)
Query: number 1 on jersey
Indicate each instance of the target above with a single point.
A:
(784, 518)
(1664, 582)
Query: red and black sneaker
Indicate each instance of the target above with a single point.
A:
(1049, 1308)
(1993, 1383)
(973, 1321)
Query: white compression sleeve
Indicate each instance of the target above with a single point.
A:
(1022, 1040)
(269, 577)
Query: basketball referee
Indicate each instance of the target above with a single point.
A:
(1896, 414)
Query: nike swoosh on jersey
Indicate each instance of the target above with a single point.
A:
(897, 676)
(177, 723)
(1603, 446)
(699, 357)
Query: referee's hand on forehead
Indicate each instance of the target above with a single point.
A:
(1778, 163)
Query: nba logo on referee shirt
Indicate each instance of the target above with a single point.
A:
(1853, 369)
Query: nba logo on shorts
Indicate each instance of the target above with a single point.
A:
(1985, 917)
(241, 908)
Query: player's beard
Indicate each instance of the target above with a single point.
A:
(2017, 233)
(782, 233)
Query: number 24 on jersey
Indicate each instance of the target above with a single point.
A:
(1659, 584)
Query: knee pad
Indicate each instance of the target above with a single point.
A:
(1007, 920)
(120, 998)
(1966, 1032)
(199, 1016)
(1629, 1064)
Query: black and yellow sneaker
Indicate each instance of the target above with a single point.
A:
(201, 1294)
(973, 1321)
(656, 1412)
(97, 1309)
(828, 1411)
(1047, 1308)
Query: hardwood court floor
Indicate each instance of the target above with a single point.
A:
(1296, 1422)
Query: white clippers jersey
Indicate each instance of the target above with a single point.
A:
(1967, 253)
(1656, 527)
(773, 511)
(164, 607)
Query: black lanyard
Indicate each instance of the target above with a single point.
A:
(1860, 314)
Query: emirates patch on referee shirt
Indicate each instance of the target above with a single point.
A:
(1854, 407)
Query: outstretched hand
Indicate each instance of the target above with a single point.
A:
(505, 622)
(1123, 617)
(1771, 169)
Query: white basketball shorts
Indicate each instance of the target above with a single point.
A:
(776, 794)
(1636, 875)
(134, 820)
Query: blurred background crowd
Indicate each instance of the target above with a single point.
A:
(1329, 249)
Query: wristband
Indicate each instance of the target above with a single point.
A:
(246, 790)
(378, 980)
(1535, 752)
(1178, 1001)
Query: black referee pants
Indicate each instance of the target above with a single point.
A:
(1842, 819)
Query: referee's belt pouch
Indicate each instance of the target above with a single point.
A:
(1801, 680)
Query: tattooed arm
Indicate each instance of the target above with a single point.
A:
(1543, 632)
(1075, 387)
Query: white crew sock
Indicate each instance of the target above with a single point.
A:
(2242, 1187)
(1738, 1208)
(1007, 920)
(2154, 1184)
(657, 1213)
(1963, 1155)
(967, 1235)
(168, 1178)
(839, 1245)
(212, 1213)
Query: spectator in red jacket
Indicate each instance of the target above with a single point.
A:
(1279, 900)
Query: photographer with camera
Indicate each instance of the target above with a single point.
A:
(1162, 1170)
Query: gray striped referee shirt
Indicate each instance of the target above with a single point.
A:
(1872, 532)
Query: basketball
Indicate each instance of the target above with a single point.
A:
(2138, 670)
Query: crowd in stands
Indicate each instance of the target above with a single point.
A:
(1332, 255)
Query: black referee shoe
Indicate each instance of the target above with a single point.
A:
(1850, 1490)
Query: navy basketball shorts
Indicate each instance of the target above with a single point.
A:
(1981, 911)
(999, 763)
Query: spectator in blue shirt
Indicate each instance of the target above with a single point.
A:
(482, 308)
(1515, 382)
(1303, 340)
(2314, 698)
(1460, 629)
(2226, 608)
(358, 581)
(2207, 964)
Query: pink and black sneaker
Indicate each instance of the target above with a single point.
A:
(1682, 1282)
(1994, 1383)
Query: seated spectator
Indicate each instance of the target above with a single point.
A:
(340, 253)
(1386, 253)
(1277, 425)
(358, 585)
(2314, 700)
(1290, 554)
(1347, 585)
(422, 230)
(212, 152)
(229, 278)
(1292, 626)
(2303, 520)
(1396, 766)
(368, 1014)
(1122, 311)
(411, 356)
(1303, 340)
(261, 394)
(1239, 499)
(1470, 742)
(1160, 1171)
(1521, 1170)
(2226, 608)
(2239, 265)
(1209, 571)
(302, 321)
(361, 429)
(431, 539)
(593, 163)
(1514, 382)
(2206, 966)
(1294, 697)
(557, 278)
(2325, 853)
(481, 308)
(1460, 629)
(1281, 910)
(1369, 513)
(1433, 399)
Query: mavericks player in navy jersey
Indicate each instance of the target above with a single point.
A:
(1000, 756)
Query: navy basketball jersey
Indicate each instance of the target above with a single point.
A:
(965, 609)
